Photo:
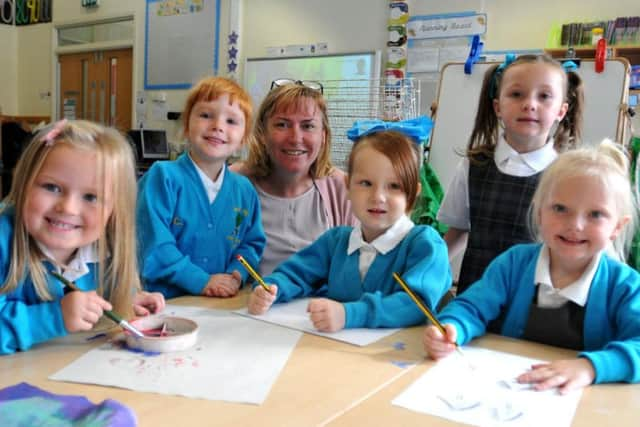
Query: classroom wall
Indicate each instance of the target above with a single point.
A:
(347, 26)
(525, 25)
(69, 12)
(34, 78)
(8, 70)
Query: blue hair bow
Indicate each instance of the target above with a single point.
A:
(569, 66)
(417, 129)
(508, 59)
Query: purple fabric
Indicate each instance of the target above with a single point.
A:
(25, 405)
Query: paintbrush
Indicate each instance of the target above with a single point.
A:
(424, 309)
(253, 273)
(110, 314)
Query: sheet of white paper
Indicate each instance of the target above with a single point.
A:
(480, 391)
(422, 59)
(226, 363)
(294, 315)
(453, 54)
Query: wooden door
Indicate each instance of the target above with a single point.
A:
(97, 86)
(120, 87)
(73, 85)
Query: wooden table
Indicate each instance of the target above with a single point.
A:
(325, 382)
(600, 405)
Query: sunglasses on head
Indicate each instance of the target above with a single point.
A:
(311, 84)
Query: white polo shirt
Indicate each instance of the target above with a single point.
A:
(382, 244)
(454, 210)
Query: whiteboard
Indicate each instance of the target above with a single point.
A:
(260, 72)
(348, 78)
(181, 42)
(458, 100)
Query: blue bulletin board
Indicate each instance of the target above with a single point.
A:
(181, 42)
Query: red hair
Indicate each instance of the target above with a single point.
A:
(211, 88)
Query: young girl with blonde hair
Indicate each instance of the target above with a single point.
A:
(70, 211)
(566, 291)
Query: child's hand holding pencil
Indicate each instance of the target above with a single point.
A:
(440, 342)
(262, 296)
(261, 299)
(438, 345)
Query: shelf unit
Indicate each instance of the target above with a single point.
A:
(630, 52)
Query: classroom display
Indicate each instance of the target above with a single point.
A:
(458, 100)
(25, 12)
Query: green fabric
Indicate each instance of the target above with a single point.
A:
(429, 200)
(634, 253)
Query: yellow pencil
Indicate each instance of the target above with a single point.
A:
(253, 273)
(424, 308)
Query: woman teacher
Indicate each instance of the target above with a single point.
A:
(301, 194)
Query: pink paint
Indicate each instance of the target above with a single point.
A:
(164, 331)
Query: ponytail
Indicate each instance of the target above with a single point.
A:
(569, 132)
(484, 136)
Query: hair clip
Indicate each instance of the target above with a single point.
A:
(569, 66)
(508, 59)
(53, 133)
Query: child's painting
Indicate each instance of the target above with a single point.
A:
(222, 365)
(479, 389)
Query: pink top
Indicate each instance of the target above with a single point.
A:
(292, 224)
(337, 206)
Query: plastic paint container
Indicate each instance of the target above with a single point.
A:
(163, 334)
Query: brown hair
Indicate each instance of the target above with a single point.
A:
(484, 136)
(403, 154)
(118, 268)
(211, 88)
(288, 97)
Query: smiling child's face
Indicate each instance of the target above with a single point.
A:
(65, 208)
(376, 193)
